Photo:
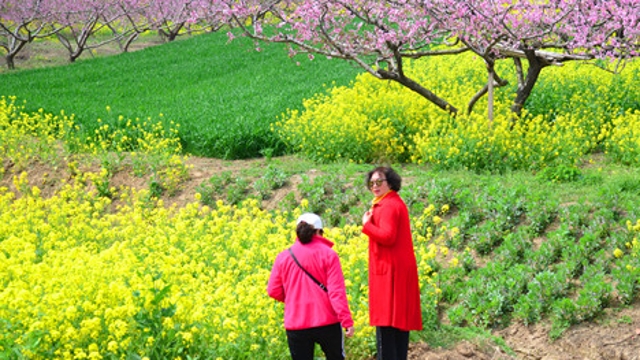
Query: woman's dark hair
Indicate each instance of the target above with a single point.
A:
(393, 179)
(305, 232)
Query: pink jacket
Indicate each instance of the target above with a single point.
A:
(306, 305)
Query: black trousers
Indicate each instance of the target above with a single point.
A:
(330, 337)
(392, 343)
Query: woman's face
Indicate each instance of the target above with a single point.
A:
(378, 184)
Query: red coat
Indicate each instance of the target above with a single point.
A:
(394, 292)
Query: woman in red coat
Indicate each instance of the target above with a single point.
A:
(394, 292)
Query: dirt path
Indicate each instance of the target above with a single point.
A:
(615, 336)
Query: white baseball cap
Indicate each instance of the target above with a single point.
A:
(311, 219)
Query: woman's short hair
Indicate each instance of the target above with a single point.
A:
(305, 232)
(393, 179)
(307, 225)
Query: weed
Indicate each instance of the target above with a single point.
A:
(273, 179)
(236, 191)
(560, 173)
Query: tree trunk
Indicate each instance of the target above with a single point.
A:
(490, 97)
(10, 61)
(14, 47)
(536, 64)
(130, 40)
(173, 33)
(75, 55)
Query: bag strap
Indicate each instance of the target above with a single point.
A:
(308, 273)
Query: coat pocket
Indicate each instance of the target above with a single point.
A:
(380, 262)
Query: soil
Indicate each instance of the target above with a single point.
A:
(613, 336)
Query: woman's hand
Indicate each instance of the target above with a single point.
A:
(348, 332)
(366, 217)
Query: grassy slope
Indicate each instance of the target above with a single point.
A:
(222, 93)
(207, 82)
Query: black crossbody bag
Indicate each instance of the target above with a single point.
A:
(308, 273)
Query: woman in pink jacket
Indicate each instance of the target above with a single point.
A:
(308, 278)
(394, 292)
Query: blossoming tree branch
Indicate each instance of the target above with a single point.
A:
(82, 25)
(379, 35)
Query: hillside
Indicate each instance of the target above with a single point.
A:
(612, 334)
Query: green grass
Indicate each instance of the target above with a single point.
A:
(224, 95)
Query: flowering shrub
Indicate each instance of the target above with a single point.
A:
(469, 142)
(350, 123)
(95, 272)
(83, 282)
(622, 139)
(627, 273)
(574, 110)
(635, 244)
(146, 146)
(26, 137)
(370, 120)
